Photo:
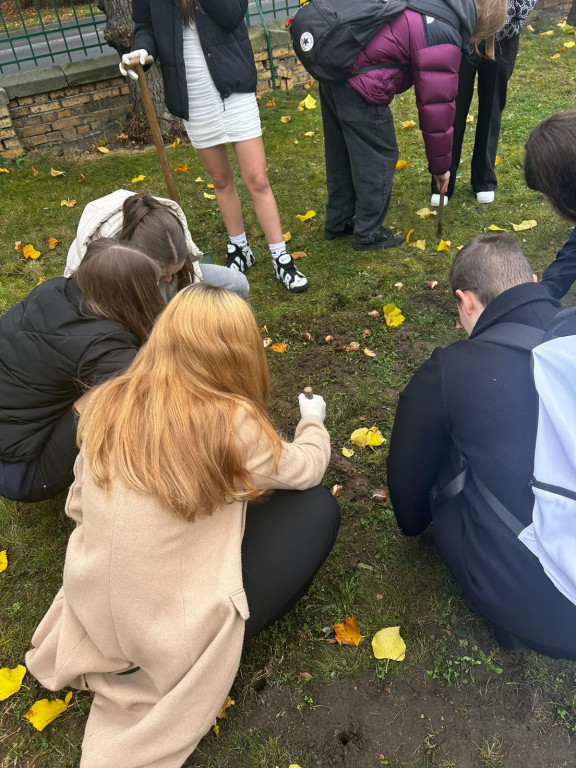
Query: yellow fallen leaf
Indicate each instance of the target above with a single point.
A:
(387, 644)
(408, 124)
(30, 252)
(497, 160)
(199, 180)
(264, 329)
(393, 315)
(306, 216)
(42, 712)
(136, 179)
(311, 133)
(182, 168)
(286, 237)
(295, 141)
(285, 119)
(527, 224)
(444, 245)
(271, 103)
(408, 235)
(299, 108)
(52, 243)
(4, 170)
(569, 44)
(530, 28)
(494, 228)
(210, 186)
(82, 178)
(56, 173)
(40, 281)
(556, 56)
(223, 714)
(11, 680)
(293, 765)
(368, 352)
(176, 143)
(309, 102)
(546, 34)
(299, 255)
(365, 437)
(35, 170)
(421, 244)
(348, 452)
(348, 632)
(425, 213)
(18, 245)
(279, 347)
(3, 560)
(68, 203)
(209, 196)
(104, 150)
(402, 164)
(469, 118)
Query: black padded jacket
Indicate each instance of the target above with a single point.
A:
(224, 38)
(50, 350)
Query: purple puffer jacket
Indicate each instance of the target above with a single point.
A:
(433, 71)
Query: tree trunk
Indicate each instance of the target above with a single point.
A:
(572, 14)
(119, 33)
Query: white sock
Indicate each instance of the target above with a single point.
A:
(277, 249)
(239, 240)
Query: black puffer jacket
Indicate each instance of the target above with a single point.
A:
(49, 349)
(224, 38)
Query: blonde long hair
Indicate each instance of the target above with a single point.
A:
(491, 18)
(166, 426)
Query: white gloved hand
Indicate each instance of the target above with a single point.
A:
(315, 406)
(134, 57)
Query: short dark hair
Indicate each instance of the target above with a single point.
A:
(488, 265)
(120, 283)
(550, 161)
(153, 228)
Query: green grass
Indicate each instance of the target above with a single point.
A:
(374, 572)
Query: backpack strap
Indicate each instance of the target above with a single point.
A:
(513, 335)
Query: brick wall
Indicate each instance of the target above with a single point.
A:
(550, 9)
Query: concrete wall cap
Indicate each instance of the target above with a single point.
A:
(33, 81)
(3, 98)
(92, 70)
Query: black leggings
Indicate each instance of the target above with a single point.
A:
(286, 540)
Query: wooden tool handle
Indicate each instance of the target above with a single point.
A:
(309, 393)
(441, 215)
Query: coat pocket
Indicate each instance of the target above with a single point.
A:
(241, 603)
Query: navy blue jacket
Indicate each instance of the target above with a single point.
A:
(224, 38)
(50, 350)
(478, 399)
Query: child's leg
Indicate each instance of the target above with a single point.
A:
(217, 165)
(286, 540)
(252, 162)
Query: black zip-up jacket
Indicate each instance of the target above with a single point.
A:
(224, 38)
(50, 349)
(478, 399)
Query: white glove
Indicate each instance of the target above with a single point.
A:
(315, 406)
(134, 57)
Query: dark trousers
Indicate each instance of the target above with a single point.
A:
(493, 77)
(286, 540)
(54, 466)
(361, 153)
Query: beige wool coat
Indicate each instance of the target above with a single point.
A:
(142, 587)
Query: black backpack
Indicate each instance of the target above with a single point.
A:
(328, 35)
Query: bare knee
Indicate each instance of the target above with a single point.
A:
(257, 183)
(222, 181)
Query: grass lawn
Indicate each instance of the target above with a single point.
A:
(457, 700)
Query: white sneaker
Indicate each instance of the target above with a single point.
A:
(435, 201)
(485, 197)
(286, 272)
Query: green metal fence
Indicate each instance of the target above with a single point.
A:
(57, 31)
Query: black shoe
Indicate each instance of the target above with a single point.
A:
(285, 271)
(384, 239)
(346, 230)
(239, 258)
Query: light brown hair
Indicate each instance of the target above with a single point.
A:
(153, 228)
(166, 426)
(491, 18)
(120, 283)
(189, 8)
(550, 161)
(488, 265)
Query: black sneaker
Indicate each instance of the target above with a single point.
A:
(285, 271)
(346, 230)
(239, 258)
(384, 238)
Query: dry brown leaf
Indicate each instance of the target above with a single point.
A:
(35, 170)
(299, 255)
(18, 245)
(267, 341)
(285, 119)
(53, 172)
(368, 352)
(52, 243)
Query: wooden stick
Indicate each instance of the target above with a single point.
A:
(155, 128)
(441, 215)
(309, 393)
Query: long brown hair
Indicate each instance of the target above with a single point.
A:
(550, 161)
(120, 283)
(189, 8)
(166, 426)
(153, 228)
(491, 18)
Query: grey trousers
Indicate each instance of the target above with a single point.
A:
(361, 153)
(223, 277)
